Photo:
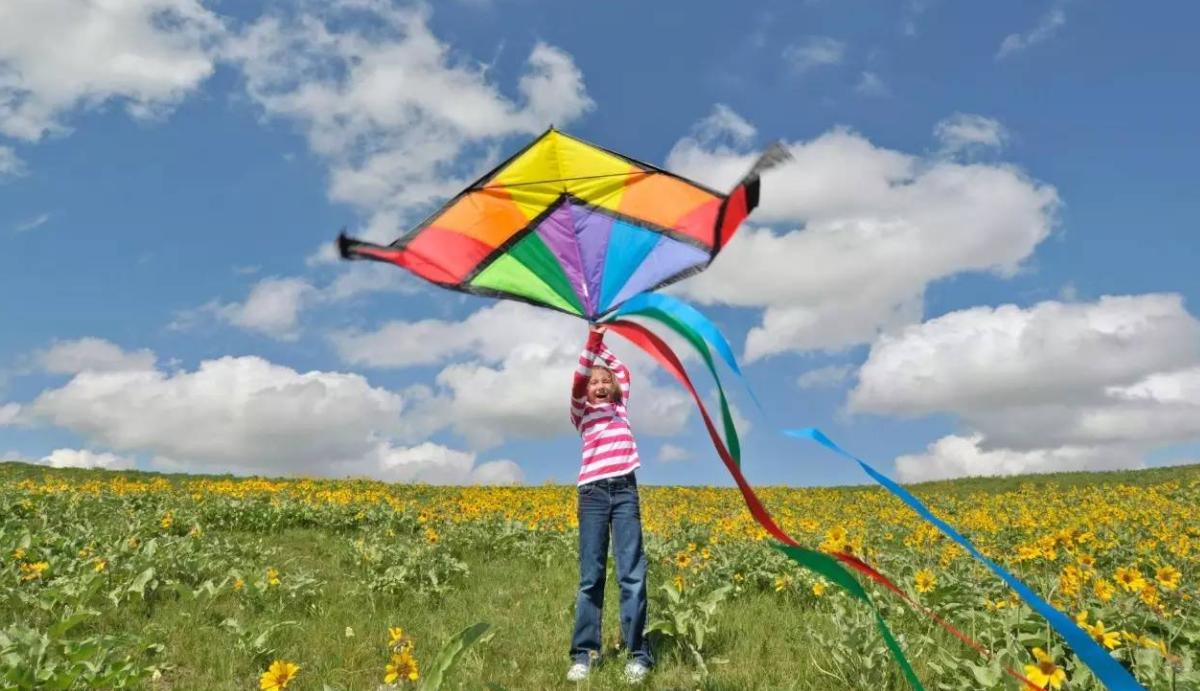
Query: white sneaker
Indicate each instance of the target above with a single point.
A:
(635, 672)
(578, 672)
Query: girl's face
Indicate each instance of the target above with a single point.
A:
(602, 387)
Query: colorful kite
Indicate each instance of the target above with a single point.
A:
(568, 225)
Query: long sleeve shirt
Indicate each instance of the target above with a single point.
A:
(609, 449)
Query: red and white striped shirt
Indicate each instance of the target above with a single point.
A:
(608, 446)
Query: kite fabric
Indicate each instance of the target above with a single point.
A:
(571, 226)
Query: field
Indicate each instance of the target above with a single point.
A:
(187, 582)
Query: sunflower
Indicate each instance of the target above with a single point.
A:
(278, 675)
(1045, 672)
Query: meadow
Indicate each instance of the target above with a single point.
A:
(137, 580)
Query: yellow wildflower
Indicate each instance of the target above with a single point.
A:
(1167, 577)
(1130, 578)
(1045, 672)
(924, 581)
(401, 667)
(99, 565)
(1103, 589)
(166, 521)
(272, 577)
(818, 589)
(238, 584)
(1108, 639)
(30, 572)
(397, 639)
(18, 554)
(278, 675)
(683, 560)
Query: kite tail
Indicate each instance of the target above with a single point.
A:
(818, 562)
(694, 327)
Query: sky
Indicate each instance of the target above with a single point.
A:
(979, 260)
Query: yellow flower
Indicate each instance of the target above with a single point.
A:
(1108, 639)
(691, 547)
(678, 582)
(781, 583)
(1081, 618)
(30, 572)
(166, 521)
(1130, 578)
(924, 581)
(238, 584)
(18, 554)
(818, 589)
(99, 565)
(705, 553)
(1103, 589)
(278, 675)
(1148, 642)
(1149, 596)
(683, 560)
(402, 666)
(397, 639)
(1167, 577)
(1045, 672)
(272, 577)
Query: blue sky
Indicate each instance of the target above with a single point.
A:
(979, 255)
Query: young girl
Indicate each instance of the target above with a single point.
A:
(608, 498)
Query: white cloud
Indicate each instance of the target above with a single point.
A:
(489, 334)
(986, 358)
(10, 414)
(1047, 26)
(513, 377)
(1051, 387)
(875, 227)
(57, 56)
(247, 415)
(82, 458)
(32, 223)
(959, 456)
(870, 84)
(670, 453)
(824, 377)
(964, 132)
(11, 165)
(272, 308)
(813, 52)
(399, 118)
(92, 354)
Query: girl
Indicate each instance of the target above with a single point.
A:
(608, 498)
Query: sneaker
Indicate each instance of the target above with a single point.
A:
(578, 672)
(635, 672)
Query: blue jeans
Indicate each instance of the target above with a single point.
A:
(604, 503)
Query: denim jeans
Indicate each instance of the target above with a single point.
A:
(611, 502)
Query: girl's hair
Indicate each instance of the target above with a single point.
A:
(615, 383)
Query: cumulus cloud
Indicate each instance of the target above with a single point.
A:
(10, 414)
(57, 56)
(82, 458)
(870, 228)
(399, 118)
(965, 132)
(92, 354)
(670, 453)
(247, 415)
(1045, 29)
(513, 376)
(814, 52)
(1054, 386)
(11, 165)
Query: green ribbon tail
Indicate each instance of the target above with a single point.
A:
(828, 567)
(701, 347)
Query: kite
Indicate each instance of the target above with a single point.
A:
(571, 226)
(568, 225)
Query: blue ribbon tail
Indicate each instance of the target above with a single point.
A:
(1107, 670)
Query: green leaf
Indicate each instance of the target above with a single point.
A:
(139, 584)
(451, 652)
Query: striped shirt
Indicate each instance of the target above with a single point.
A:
(608, 446)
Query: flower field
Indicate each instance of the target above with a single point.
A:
(146, 581)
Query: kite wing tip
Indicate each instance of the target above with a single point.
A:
(774, 155)
(343, 245)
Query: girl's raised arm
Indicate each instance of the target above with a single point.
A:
(593, 347)
(618, 368)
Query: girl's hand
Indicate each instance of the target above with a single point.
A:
(598, 329)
